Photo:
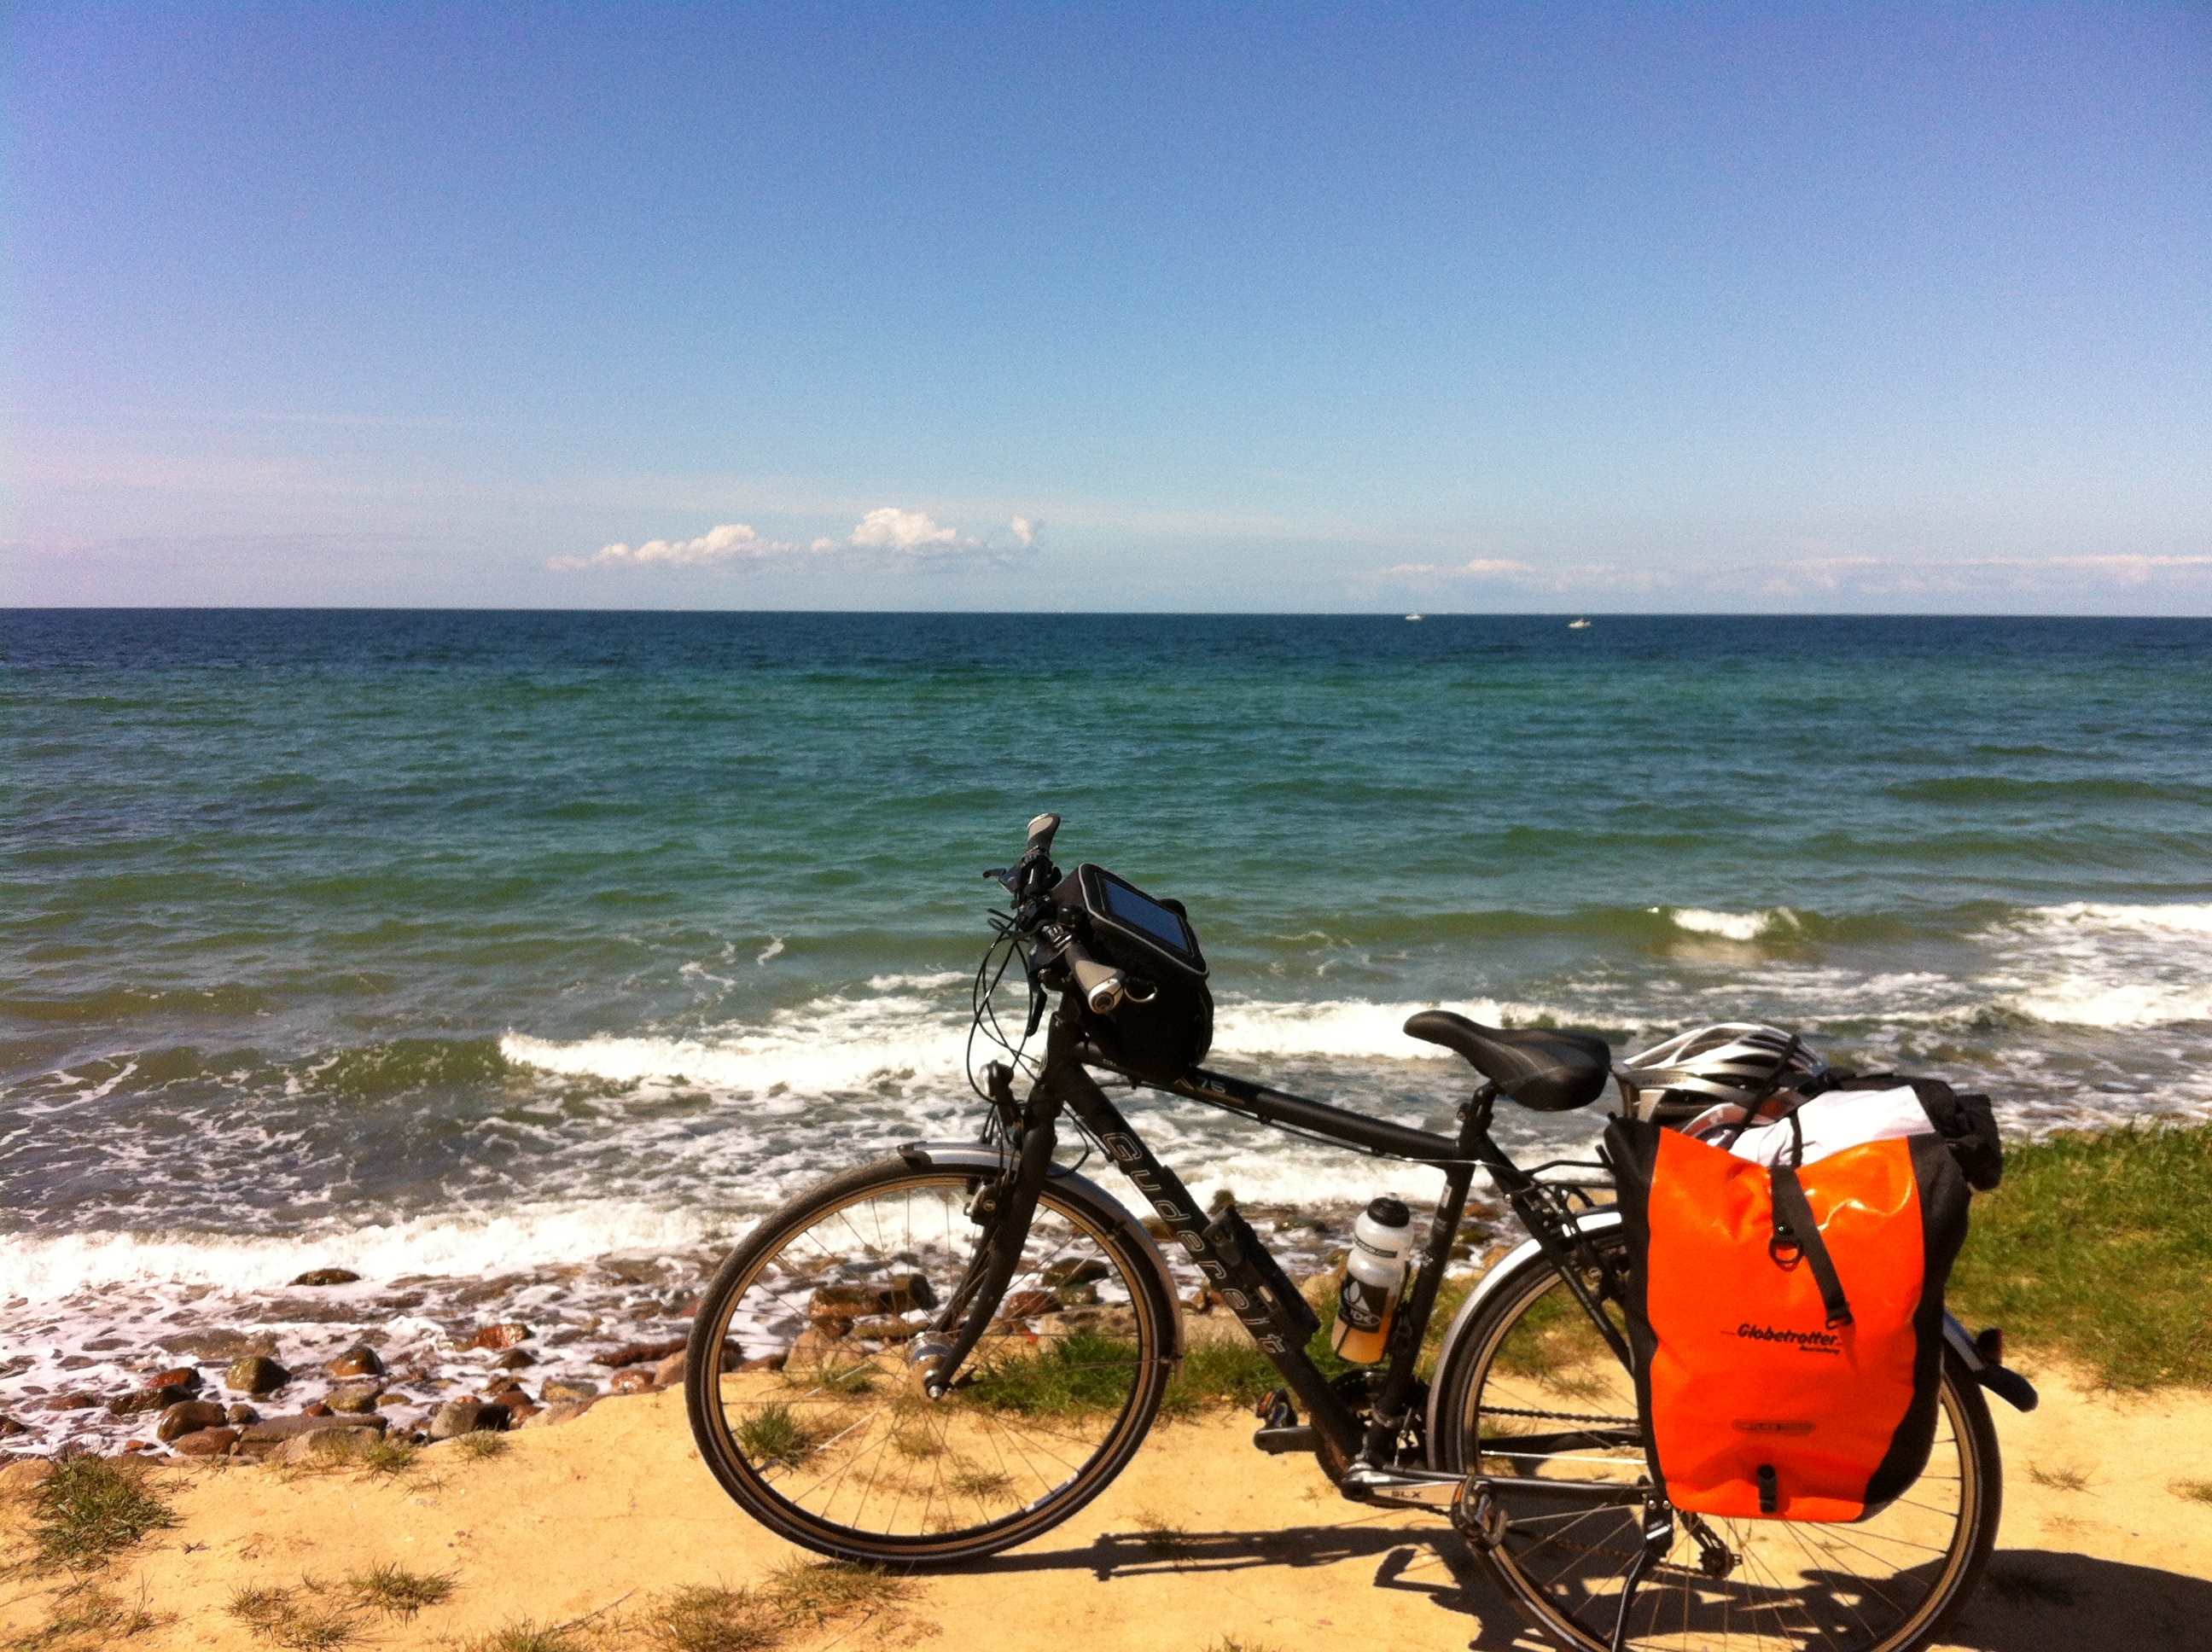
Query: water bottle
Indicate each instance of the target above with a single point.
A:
(1374, 1275)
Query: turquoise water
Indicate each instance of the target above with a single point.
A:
(429, 942)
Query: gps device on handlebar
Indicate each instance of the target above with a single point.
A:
(1163, 1024)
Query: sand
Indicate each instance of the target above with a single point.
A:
(1202, 1539)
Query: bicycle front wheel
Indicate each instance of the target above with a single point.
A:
(1533, 1392)
(805, 1405)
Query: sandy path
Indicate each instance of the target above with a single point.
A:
(614, 1504)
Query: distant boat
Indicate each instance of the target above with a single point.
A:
(1579, 625)
(1413, 616)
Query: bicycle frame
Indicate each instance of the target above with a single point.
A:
(1233, 1261)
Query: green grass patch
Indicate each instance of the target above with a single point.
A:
(481, 1444)
(93, 1508)
(773, 1435)
(292, 1619)
(701, 1619)
(1066, 1377)
(2100, 1247)
(816, 1592)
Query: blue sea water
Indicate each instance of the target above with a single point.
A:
(431, 943)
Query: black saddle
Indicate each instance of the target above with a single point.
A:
(1545, 1068)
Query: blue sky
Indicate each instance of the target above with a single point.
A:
(1252, 307)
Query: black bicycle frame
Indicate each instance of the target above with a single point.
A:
(1236, 1265)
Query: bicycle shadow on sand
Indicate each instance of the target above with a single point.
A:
(2030, 1600)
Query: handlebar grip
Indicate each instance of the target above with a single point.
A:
(1041, 831)
(1101, 986)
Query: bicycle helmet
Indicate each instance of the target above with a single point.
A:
(1730, 1062)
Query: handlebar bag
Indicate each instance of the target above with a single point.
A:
(1787, 1321)
(1165, 1026)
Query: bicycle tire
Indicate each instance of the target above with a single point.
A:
(829, 1440)
(1530, 1368)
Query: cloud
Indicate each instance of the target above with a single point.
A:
(904, 536)
(731, 542)
(1496, 568)
(889, 528)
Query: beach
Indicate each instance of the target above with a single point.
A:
(1203, 1542)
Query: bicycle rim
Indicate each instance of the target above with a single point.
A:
(818, 1423)
(1545, 1398)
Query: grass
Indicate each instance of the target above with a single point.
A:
(294, 1619)
(527, 1634)
(393, 1590)
(2058, 1479)
(90, 1510)
(87, 1617)
(2193, 1491)
(1232, 1643)
(815, 1592)
(773, 1435)
(386, 1456)
(1160, 1534)
(2100, 1248)
(710, 1621)
(1067, 1377)
(482, 1445)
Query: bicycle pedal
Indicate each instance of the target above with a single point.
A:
(1271, 1404)
(1277, 1441)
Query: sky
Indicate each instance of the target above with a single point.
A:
(1204, 307)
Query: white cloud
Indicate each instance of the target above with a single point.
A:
(1496, 568)
(731, 542)
(889, 528)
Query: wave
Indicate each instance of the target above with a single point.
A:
(1993, 788)
(1776, 922)
(42, 1268)
(2093, 964)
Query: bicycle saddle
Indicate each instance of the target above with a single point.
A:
(1545, 1068)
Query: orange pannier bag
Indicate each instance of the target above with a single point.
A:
(1787, 1321)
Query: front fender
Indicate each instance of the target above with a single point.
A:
(1109, 1211)
(1587, 1223)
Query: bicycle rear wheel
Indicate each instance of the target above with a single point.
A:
(1531, 1391)
(805, 1405)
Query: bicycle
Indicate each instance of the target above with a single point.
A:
(947, 1352)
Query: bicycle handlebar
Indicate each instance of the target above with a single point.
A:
(1103, 985)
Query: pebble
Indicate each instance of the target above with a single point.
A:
(327, 1441)
(1028, 1305)
(670, 1371)
(503, 1335)
(635, 1380)
(355, 1400)
(468, 1415)
(319, 1276)
(569, 1387)
(184, 1376)
(187, 1417)
(277, 1429)
(566, 1411)
(639, 1353)
(73, 1402)
(518, 1407)
(129, 1404)
(514, 1359)
(255, 1374)
(360, 1360)
(392, 1402)
(314, 1408)
(220, 1344)
(9, 1427)
(207, 1443)
(241, 1414)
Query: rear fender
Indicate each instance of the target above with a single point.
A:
(1104, 1208)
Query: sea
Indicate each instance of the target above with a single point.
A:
(516, 961)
